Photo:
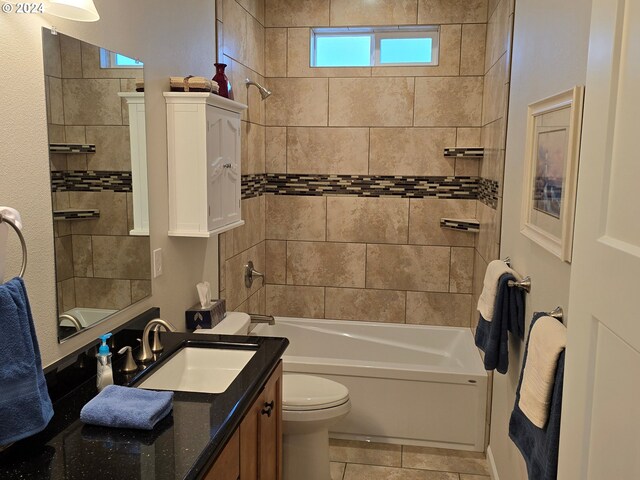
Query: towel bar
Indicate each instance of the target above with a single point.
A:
(524, 284)
(556, 313)
(10, 222)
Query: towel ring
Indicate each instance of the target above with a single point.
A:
(10, 222)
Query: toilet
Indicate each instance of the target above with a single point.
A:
(310, 405)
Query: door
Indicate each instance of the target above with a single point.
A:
(600, 432)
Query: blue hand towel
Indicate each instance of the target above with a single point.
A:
(25, 406)
(539, 446)
(125, 407)
(508, 316)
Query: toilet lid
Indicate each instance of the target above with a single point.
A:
(307, 392)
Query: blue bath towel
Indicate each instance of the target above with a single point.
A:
(125, 407)
(539, 446)
(492, 337)
(25, 406)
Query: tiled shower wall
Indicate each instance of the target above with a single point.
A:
(344, 255)
(98, 264)
(241, 37)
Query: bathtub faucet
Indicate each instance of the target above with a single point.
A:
(255, 318)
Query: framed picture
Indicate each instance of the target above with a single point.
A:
(551, 171)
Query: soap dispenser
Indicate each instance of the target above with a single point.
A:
(105, 371)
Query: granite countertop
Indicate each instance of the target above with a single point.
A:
(182, 446)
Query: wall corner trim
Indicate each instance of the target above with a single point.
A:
(492, 464)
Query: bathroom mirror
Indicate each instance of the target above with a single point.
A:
(98, 164)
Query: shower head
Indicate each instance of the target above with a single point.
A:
(264, 93)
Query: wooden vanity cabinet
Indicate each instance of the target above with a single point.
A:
(255, 450)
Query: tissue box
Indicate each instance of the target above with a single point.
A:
(197, 317)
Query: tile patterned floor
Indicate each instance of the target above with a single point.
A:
(352, 460)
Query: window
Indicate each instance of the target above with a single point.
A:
(110, 59)
(379, 46)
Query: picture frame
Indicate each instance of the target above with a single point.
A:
(554, 127)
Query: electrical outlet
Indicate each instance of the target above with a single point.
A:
(157, 262)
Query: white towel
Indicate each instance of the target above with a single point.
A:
(12, 214)
(487, 299)
(547, 339)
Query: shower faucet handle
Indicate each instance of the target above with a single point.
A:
(250, 273)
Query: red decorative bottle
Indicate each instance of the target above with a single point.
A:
(223, 82)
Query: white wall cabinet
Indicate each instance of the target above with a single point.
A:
(203, 139)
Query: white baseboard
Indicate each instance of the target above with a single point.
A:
(492, 464)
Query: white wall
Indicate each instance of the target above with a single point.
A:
(172, 38)
(549, 56)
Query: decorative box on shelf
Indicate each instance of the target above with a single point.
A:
(203, 139)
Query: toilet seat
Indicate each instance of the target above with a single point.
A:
(303, 393)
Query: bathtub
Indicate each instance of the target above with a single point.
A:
(410, 385)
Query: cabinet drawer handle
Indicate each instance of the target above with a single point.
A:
(268, 408)
(227, 165)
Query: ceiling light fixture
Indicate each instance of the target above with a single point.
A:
(78, 10)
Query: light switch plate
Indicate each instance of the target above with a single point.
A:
(157, 262)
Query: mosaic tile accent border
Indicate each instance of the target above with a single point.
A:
(76, 214)
(488, 192)
(464, 152)
(361, 186)
(466, 225)
(253, 185)
(71, 148)
(90, 181)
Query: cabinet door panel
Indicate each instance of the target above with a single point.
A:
(227, 466)
(215, 168)
(249, 446)
(231, 187)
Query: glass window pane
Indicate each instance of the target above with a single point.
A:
(123, 61)
(348, 51)
(405, 50)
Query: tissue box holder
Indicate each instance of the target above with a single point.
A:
(197, 317)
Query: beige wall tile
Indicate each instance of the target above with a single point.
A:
(467, 167)
(326, 264)
(83, 255)
(373, 12)
(473, 49)
(77, 134)
(461, 276)
(113, 213)
(235, 290)
(276, 260)
(56, 101)
(51, 53)
(253, 148)
(253, 230)
(464, 476)
(367, 220)
(235, 20)
(297, 13)
(468, 137)
(298, 59)
(292, 217)
(91, 102)
(360, 452)
(113, 150)
(448, 58)
(425, 215)
(327, 150)
(479, 270)
(337, 470)
(140, 289)
(448, 101)
(255, 45)
(493, 142)
(452, 11)
(102, 293)
(64, 257)
(355, 471)
(68, 295)
(295, 301)
(71, 54)
(121, 257)
(448, 309)
(275, 52)
(256, 303)
(371, 102)
(444, 460)
(411, 151)
(222, 257)
(276, 149)
(488, 241)
(237, 75)
(254, 7)
(297, 102)
(498, 34)
(495, 92)
(408, 267)
(366, 305)
(91, 65)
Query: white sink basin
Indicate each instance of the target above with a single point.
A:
(205, 370)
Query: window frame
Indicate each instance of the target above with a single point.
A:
(108, 60)
(376, 34)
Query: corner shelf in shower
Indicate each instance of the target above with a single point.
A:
(477, 153)
(74, 214)
(66, 148)
(461, 224)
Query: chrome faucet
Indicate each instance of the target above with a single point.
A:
(256, 318)
(146, 355)
(76, 323)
